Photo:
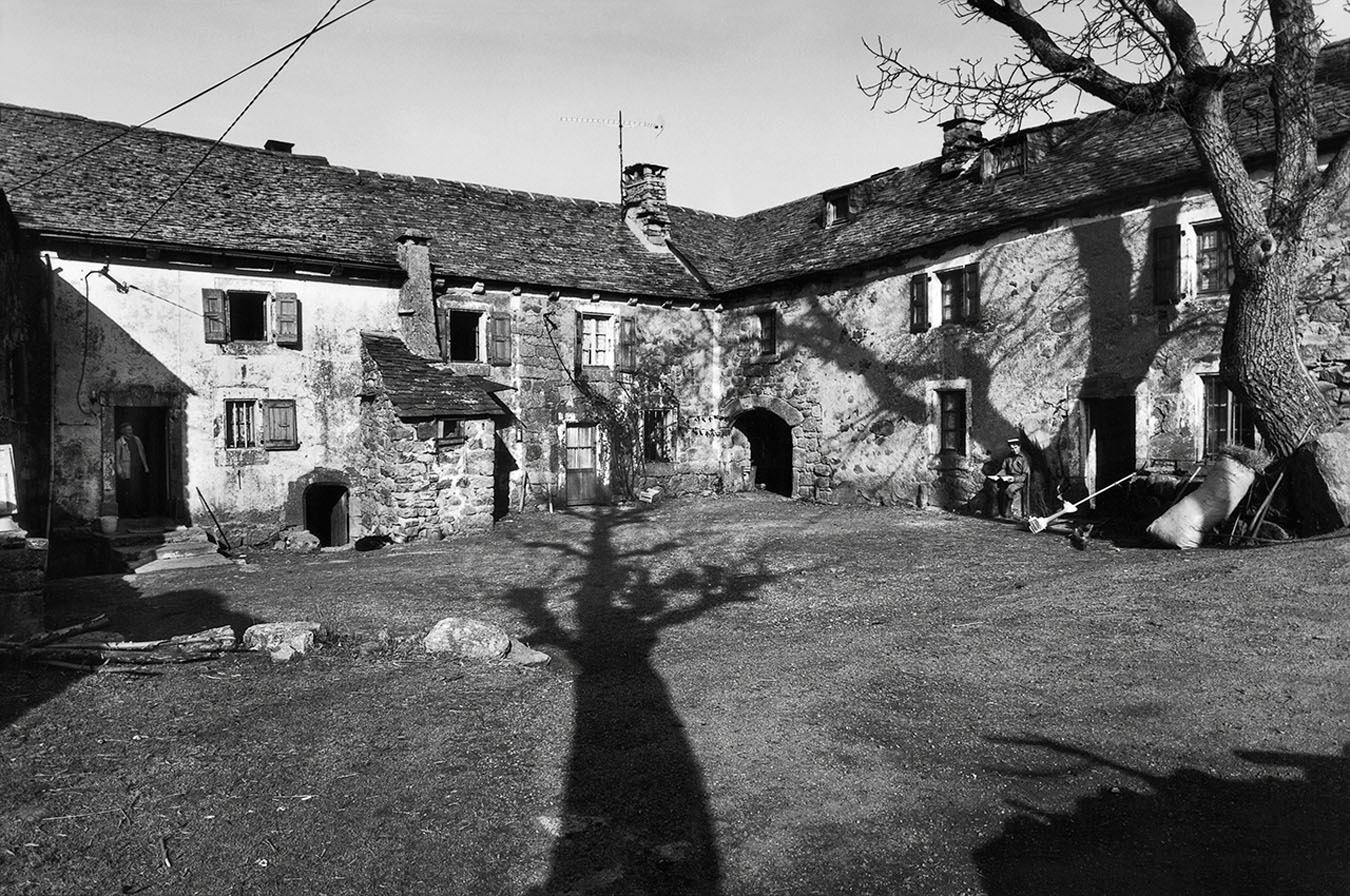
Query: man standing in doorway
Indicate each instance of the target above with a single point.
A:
(133, 471)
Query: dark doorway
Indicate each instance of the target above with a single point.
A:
(770, 440)
(144, 493)
(326, 513)
(583, 479)
(503, 463)
(1110, 445)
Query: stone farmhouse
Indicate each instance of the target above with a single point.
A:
(301, 345)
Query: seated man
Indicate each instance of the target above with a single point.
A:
(1004, 488)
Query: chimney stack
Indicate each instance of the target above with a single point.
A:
(416, 303)
(644, 203)
(279, 146)
(961, 142)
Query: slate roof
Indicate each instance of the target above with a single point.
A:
(1082, 165)
(246, 199)
(421, 389)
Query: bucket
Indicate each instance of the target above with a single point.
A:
(107, 524)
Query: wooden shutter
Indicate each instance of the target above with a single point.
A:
(278, 424)
(579, 327)
(213, 315)
(288, 319)
(972, 290)
(443, 331)
(626, 350)
(1167, 265)
(499, 338)
(918, 303)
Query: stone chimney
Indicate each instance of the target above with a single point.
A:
(416, 305)
(961, 142)
(279, 146)
(644, 204)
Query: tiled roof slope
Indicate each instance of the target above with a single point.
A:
(1094, 160)
(420, 389)
(251, 200)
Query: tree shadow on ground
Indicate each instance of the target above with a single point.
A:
(634, 815)
(25, 685)
(1189, 832)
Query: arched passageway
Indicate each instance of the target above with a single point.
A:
(770, 439)
(326, 513)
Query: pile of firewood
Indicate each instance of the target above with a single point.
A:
(81, 647)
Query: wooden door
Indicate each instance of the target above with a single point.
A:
(583, 481)
(338, 521)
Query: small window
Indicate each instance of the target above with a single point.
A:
(1213, 264)
(266, 424)
(1228, 419)
(952, 421)
(960, 294)
(1010, 156)
(658, 435)
(449, 432)
(595, 340)
(248, 316)
(240, 424)
(465, 337)
(837, 208)
(766, 325)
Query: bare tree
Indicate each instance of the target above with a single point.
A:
(1150, 57)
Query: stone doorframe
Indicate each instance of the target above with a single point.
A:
(146, 397)
(735, 405)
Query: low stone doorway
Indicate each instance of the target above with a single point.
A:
(770, 439)
(327, 513)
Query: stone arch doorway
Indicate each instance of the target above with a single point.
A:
(770, 439)
(327, 513)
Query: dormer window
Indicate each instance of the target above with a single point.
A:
(1010, 156)
(837, 209)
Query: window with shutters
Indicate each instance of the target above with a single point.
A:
(265, 423)
(960, 294)
(1228, 419)
(658, 435)
(918, 304)
(1167, 289)
(952, 421)
(249, 316)
(1213, 264)
(626, 345)
(596, 337)
(464, 339)
(499, 338)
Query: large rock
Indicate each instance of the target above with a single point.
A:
(467, 638)
(281, 640)
(523, 655)
(1319, 482)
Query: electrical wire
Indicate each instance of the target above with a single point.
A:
(132, 129)
(210, 149)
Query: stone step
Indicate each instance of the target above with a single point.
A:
(171, 550)
(199, 562)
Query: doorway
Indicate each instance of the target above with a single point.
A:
(145, 493)
(1110, 446)
(326, 513)
(770, 440)
(583, 478)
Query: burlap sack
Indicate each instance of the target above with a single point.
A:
(1217, 497)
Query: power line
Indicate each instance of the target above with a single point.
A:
(210, 149)
(196, 96)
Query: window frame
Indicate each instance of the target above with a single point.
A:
(948, 425)
(1217, 260)
(280, 320)
(836, 209)
(1238, 426)
(766, 332)
(234, 409)
(479, 343)
(259, 433)
(959, 294)
(595, 326)
(659, 450)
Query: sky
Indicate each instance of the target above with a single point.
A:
(758, 99)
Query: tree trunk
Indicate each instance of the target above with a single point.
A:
(1261, 361)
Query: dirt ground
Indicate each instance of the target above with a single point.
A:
(748, 696)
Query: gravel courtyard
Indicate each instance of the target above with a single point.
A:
(747, 696)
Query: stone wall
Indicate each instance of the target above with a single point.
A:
(22, 565)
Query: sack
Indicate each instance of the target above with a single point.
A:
(1218, 496)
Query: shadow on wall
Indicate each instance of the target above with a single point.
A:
(98, 359)
(634, 798)
(1189, 832)
(24, 687)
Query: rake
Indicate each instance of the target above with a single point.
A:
(1039, 523)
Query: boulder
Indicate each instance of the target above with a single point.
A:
(281, 640)
(467, 638)
(1319, 482)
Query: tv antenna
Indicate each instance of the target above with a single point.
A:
(659, 125)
